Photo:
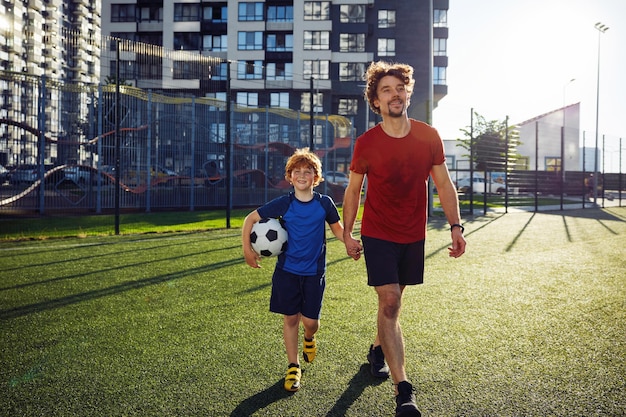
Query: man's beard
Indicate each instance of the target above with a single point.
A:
(400, 113)
(397, 114)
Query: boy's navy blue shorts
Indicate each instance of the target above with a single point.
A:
(393, 263)
(293, 294)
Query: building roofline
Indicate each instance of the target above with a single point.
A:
(541, 116)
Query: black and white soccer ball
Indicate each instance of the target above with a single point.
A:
(268, 237)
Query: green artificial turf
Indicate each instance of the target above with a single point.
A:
(20, 228)
(530, 322)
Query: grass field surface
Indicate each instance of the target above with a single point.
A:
(531, 321)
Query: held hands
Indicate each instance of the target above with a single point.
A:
(353, 248)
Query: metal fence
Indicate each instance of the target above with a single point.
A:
(62, 142)
(174, 151)
(547, 167)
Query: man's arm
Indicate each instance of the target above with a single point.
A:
(351, 202)
(449, 200)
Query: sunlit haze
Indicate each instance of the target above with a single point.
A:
(517, 58)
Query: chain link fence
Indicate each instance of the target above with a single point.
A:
(62, 142)
(544, 166)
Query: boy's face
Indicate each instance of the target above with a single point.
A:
(302, 177)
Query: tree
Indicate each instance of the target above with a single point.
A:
(112, 79)
(489, 144)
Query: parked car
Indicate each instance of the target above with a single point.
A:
(82, 175)
(4, 174)
(24, 174)
(336, 177)
(464, 186)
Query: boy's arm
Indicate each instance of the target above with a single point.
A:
(251, 257)
(337, 229)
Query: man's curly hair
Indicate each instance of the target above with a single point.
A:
(380, 69)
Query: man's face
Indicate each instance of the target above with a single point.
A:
(392, 97)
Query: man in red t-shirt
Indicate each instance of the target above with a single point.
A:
(397, 156)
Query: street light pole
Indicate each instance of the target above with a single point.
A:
(601, 28)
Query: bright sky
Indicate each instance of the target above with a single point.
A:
(516, 58)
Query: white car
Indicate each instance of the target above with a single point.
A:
(463, 185)
(335, 177)
(4, 174)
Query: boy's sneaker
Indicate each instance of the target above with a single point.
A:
(292, 379)
(376, 358)
(309, 350)
(405, 401)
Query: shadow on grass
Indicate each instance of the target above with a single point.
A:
(276, 392)
(102, 271)
(442, 224)
(261, 400)
(115, 289)
(357, 385)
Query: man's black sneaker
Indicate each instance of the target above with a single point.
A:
(376, 358)
(405, 401)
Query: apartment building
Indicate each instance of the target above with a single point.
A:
(285, 53)
(55, 39)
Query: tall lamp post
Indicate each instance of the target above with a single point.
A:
(601, 28)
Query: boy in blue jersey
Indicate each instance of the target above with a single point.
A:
(299, 278)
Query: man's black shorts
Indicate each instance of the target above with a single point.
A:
(393, 263)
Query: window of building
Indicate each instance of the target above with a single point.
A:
(249, 12)
(279, 133)
(316, 39)
(279, 71)
(386, 19)
(279, 100)
(247, 41)
(219, 72)
(150, 38)
(123, 13)
(386, 47)
(440, 18)
(123, 36)
(215, 13)
(186, 70)
(128, 70)
(220, 97)
(348, 106)
(316, 10)
(319, 70)
(279, 42)
(553, 164)
(280, 13)
(150, 70)
(352, 42)
(250, 70)
(439, 76)
(186, 12)
(352, 13)
(218, 133)
(247, 99)
(215, 42)
(187, 41)
(151, 14)
(305, 102)
(351, 71)
(440, 46)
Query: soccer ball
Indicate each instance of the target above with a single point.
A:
(268, 237)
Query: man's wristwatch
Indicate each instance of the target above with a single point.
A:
(460, 226)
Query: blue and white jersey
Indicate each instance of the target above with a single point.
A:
(305, 225)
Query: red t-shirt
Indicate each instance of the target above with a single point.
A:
(397, 172)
